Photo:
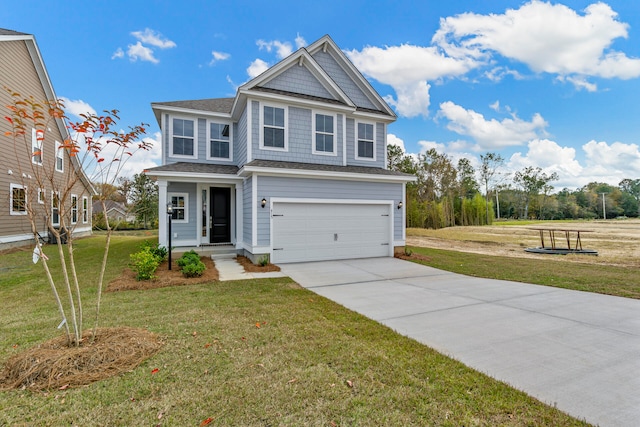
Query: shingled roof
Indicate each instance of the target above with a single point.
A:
(5, 32)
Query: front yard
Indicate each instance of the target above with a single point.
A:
(258, 352)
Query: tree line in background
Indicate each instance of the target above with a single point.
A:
(447, 194)
(139, 198)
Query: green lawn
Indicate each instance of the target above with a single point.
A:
(604, 279)
(310, 361)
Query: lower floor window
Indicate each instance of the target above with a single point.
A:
(18, 200)
(179, 203)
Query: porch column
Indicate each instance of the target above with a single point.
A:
(162, 212)
(239, 217)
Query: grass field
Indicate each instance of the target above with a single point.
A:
(251, 353)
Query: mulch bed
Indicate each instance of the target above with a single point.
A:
(164, 277)
(250, 267)
(414, 256)
(55, 365)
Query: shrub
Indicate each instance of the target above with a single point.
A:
(190, 264)
(144, 263)
(263, 261)
(193, 269)
(159, 251)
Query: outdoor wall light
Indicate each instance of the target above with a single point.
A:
(263, 203)
(399, 205)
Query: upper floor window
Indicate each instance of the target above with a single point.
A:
(324, 134)
(37, 137)
(219, 141)
(365, 142)
(18, 200)
(183, 138)
(274, 126)
(180, 203)
(59, 157)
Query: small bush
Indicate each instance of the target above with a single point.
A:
(159, 251)
(190, 264)
(144, 263)
(263, 261)
(193, 269)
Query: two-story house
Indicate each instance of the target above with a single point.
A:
(293, 167)
(33, 166)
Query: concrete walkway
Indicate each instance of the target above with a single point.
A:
(579, 351)
(229, 269)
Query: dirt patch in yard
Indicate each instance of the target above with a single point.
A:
(617, 241)
(164, 277)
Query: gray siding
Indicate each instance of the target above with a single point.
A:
(247, 196)
(299, 80)
(379, 141)
(202, 139)
(300, 139)
(271, 187)
(240, 140)
(186, 231)
(338, 75)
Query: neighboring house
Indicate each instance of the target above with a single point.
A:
(26, 183)
(116, 211)
(292, 168)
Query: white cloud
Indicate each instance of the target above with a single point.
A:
(127, 165)
(617, 160)
(218, 56)
(428, 145)
(282, 49)
(119, 53)
(394, 140)
(411, 99)
(150, 37)
(408, 69)
(551, 157)
(257, 67)
(491, 134)
(300, 41)
(77, 107)
(143, 53)
(547, 37)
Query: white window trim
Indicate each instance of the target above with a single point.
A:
(195, 137)
(74, 196)
(186, 207)
(54, 195)
(314, 134)
(41, 200)
(355, 132)
(223, 159)
(59, 155)
(286, 126)
(23, 188)
(85, 209)
(35, 144)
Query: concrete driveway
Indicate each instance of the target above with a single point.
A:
(576, 350)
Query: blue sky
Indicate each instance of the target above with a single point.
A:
(549, 84)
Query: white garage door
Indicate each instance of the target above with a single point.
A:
(324, 231)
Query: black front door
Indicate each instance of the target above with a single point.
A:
(220, 215)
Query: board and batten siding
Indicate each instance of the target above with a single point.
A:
(311, 188)
(247, 197)
(338, 75)
(299, 80)
(19, 74)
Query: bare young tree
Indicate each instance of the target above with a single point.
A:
(95, 145)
